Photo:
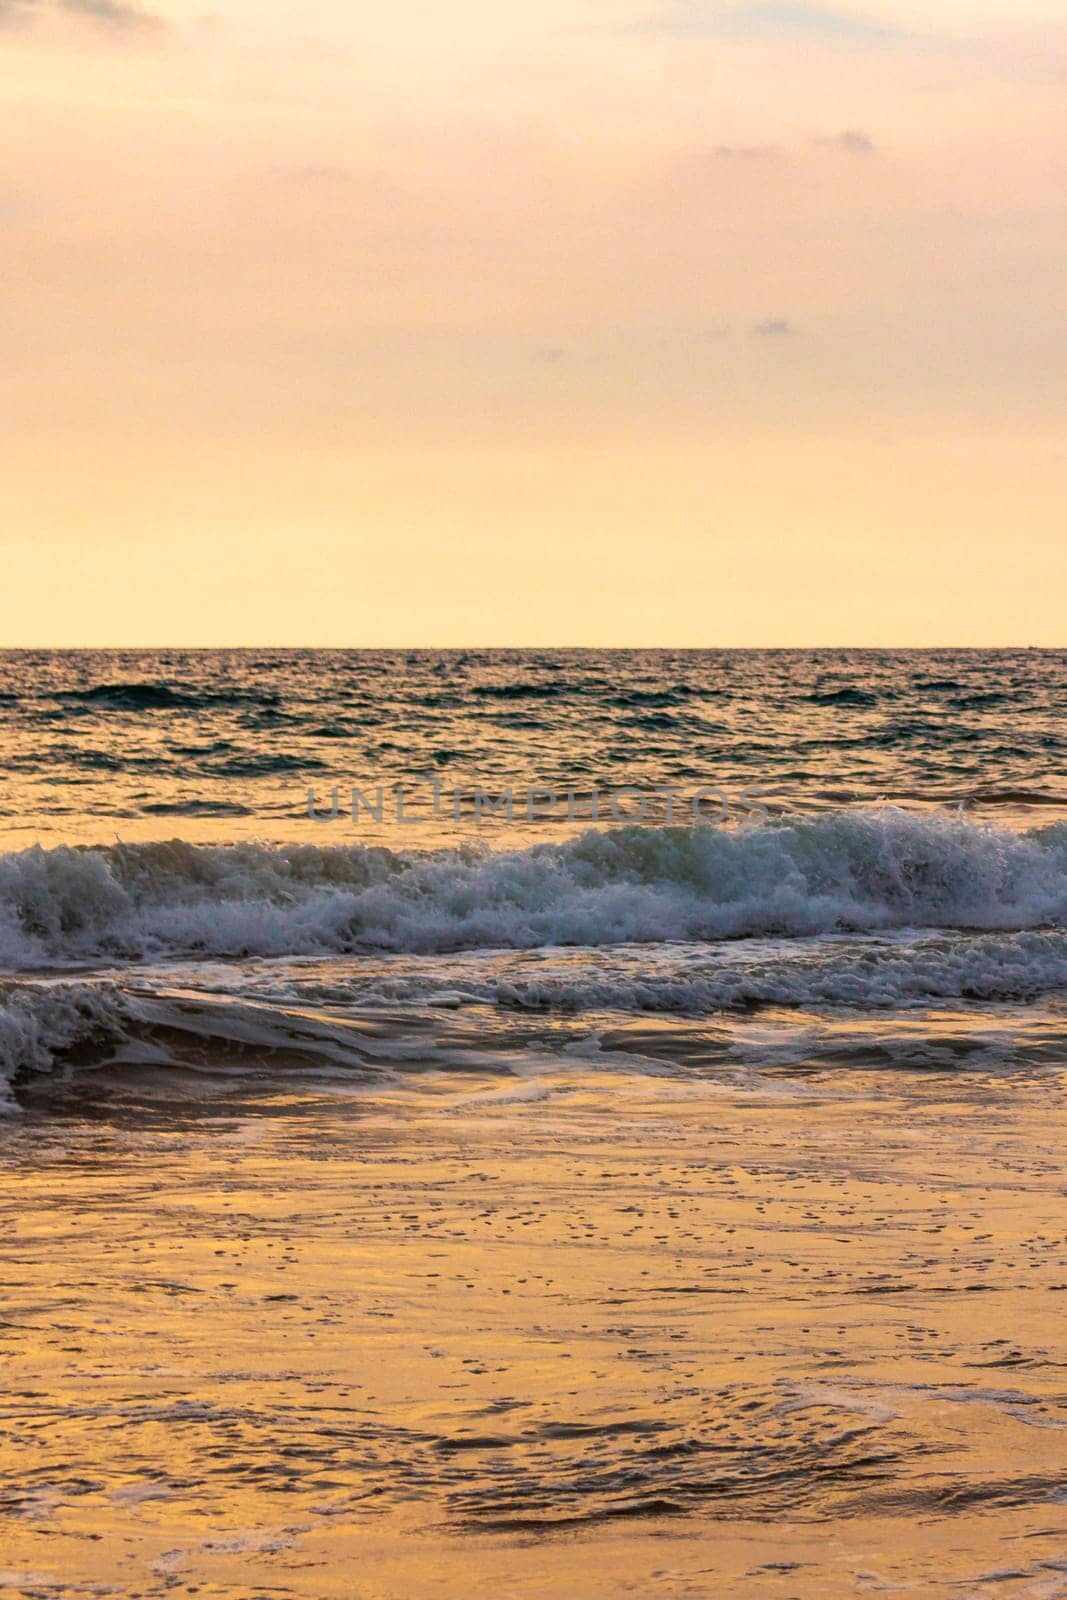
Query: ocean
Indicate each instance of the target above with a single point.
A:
(647, 1105)
(842, 832)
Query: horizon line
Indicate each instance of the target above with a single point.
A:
(30, 649)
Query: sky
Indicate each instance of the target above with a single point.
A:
(519, 322)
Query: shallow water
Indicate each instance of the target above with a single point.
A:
(538, 1208)
(579, 1332)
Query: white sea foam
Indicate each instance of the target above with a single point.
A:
(39, 1026)
(683, 980)
(807, 914)
(845, 1001)
(847, 871)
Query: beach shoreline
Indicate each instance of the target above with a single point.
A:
(589, 1332)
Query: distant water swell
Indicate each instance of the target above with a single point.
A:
(222, 746)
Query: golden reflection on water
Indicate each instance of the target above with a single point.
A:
(595, 1336)
(219, 744)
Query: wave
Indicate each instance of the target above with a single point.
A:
(550, 690)
(61, 1027)
(40, 1027)
(369, 1020)
(684, 980)
(844, 872)
(196, 808)
(155, 696)
(847, 695)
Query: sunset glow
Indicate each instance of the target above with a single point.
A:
(655, 323)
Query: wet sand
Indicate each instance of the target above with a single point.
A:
(594, 1335)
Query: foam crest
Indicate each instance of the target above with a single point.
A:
(847, 871)
(39, 1026)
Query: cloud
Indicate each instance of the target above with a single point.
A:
(115, 14)
(765, 19)
(746, 152)
(851, 140)
(773, 328)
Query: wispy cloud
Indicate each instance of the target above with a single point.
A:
(766, 18)
(852, 141)
(773, 328)
(321, 172)
(114, 14)
(746, 152)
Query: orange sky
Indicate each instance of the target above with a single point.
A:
(670, 322)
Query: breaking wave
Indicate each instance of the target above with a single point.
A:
(475, 1010)
(54, 1029)
(850, 871)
